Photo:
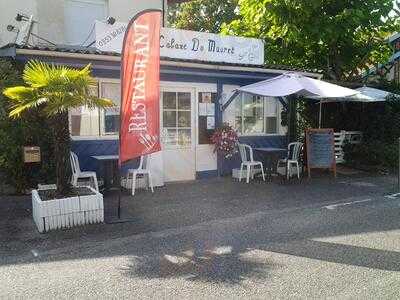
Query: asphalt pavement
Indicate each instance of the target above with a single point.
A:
(345, 247)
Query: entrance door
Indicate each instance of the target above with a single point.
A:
(178, 139)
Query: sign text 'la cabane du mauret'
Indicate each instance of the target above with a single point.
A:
(184, 44)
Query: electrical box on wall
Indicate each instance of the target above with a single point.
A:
(31, 154)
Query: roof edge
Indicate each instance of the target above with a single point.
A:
(12, 49)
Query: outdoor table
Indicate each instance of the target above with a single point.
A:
(270, 153)
(108, 162)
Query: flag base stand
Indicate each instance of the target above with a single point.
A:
(118, 220)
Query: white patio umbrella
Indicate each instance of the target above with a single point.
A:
(366, 95)
(293, 83)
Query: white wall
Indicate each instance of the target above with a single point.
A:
(50, 15)
(124, 10)
(8, 11)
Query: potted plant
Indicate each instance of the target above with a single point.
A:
(225, 141)
(55, 90)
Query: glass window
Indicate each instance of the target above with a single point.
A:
(177, 120)
(169, 118)
(271, 125)
(253, 114)
(271, 112)
(112, 91)
(256, 115)
(206, 117)
(184, 118)
(85, 121)
(184, 101)
(238, 114)
(169, 100)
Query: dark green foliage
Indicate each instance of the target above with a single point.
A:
(338, 37)
(372, 153)
(379, 122)
(54, 90)
(16, 133)
(202, 15)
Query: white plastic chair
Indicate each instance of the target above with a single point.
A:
(246, 154)
(293, 157)
(143, 169)
(78, 174)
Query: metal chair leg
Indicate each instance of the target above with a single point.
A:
(241, 171)
(133, 183)
(150, 182)
(248, 174)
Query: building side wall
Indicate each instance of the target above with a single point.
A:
(124, 10)
(8, 11)
(50, 15)
(51, 18)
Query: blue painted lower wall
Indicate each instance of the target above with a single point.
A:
(206, 174)
(87, 148)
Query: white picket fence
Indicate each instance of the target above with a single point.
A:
(67, 212)
(342, 137)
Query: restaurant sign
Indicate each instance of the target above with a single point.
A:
(184, 44)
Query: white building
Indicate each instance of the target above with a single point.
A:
(68, 22)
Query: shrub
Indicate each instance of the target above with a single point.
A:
(372, 153)
(14, 134)
(53, 90)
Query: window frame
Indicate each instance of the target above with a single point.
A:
(278, 117)
(102, 110)
(203, 89)
(101, 134)
(176, 110)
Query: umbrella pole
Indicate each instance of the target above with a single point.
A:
(320, 114)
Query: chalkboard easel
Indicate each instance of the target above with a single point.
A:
(320, 145)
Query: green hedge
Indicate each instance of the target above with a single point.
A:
(372, 153)
(32, 129)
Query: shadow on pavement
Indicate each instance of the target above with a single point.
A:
(226, 266)
(235, 224)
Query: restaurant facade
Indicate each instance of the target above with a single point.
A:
(193, 89)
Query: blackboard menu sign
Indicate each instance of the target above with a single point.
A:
(320, 145)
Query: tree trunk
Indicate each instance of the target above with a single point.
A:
(61, 153)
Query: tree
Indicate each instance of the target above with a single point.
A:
(202, 15)
(55, 90)
(339, 37)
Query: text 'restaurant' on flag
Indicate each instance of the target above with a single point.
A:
(140, 87)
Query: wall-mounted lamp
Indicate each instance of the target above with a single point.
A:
(110, 20)
(12, 28)
(21, 17)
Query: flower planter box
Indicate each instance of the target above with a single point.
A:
(67, 212)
